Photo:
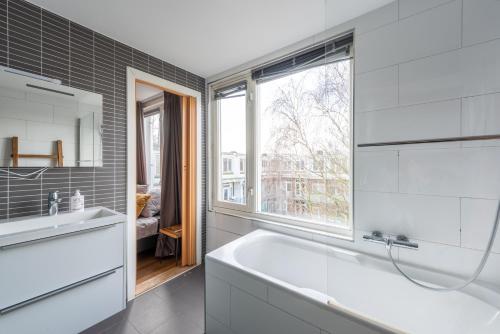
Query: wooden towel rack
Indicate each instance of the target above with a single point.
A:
(58, 156)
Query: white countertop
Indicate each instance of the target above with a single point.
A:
(29, 228)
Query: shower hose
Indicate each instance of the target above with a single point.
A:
(462, 285)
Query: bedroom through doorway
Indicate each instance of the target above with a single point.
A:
(166, 185)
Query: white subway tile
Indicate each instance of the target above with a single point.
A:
(323, 318)
(451, 259)
(466, 72)
(5, 150)
(478, 216)
(12, 127)
(233, 224)
(12, 93)
(481, 68)
(376, 171)
(211, 239)
(422, 121)
(283, 228)
(358, 244)
(376, 89)
(52, 99)
(217, 238)
(215, 327)
(481, 21)
(431, 32)
(250, 315)
(377, 18)
(428, 218)
(217, 299)
(431, 79)
(23, 110)
(468, 172)
(211, 219)
(44, 131)
(238, 279)
(377, 48)
(66, 115)
(411, 7)
(481, 115)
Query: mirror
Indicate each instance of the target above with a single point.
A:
(46, 124)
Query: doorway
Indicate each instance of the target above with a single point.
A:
(146, 269)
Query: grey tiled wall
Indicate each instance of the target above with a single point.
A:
(35, 40)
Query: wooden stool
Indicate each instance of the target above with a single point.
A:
(175, 232)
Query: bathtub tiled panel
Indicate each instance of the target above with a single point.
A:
(38, 41)
(232, 308)
(423, 69)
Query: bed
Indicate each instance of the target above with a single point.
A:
(147, 226)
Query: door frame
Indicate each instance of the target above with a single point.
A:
(134, 75)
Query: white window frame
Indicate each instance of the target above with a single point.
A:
(250, 210)
(217, 170)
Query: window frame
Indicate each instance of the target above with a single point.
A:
(217, 167)
(253, 166)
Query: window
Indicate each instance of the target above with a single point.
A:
(228, 165)
(227, 192)
(231, 110)
(314, 132)
(242, 166)
(152, 142)
(289, 128)
(299, 187)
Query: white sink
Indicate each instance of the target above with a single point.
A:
(33, 227)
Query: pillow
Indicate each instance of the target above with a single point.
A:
(141, 201)
(154, 204)
(142, 189)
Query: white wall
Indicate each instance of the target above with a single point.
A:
(423, 69)
(39, 120)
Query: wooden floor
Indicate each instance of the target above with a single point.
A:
(152, 271)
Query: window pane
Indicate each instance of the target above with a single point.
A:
(232, 146)
(152, 124)
(305, 135)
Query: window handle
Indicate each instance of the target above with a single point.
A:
(250, 191)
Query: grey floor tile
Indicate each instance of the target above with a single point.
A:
(175, 307)
(122, 328)
(149, 311)
(178, 325)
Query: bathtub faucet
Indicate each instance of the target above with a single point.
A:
(400, 241)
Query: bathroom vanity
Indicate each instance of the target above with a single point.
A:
(63, 273)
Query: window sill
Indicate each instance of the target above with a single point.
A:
(289, 224)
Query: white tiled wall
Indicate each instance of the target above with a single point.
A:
(38, 121)
(423, 69)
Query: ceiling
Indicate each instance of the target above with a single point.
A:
(209, 37)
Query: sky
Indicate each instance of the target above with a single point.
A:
(233, 129)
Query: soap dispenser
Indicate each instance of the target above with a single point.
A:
(77, 201)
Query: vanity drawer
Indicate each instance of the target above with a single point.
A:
(36, 267)
(71, 310)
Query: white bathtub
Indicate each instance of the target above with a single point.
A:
(267, 282)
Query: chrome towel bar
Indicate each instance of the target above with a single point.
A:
(428, 141)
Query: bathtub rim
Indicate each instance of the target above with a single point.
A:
(225, 255)
(327, 303)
